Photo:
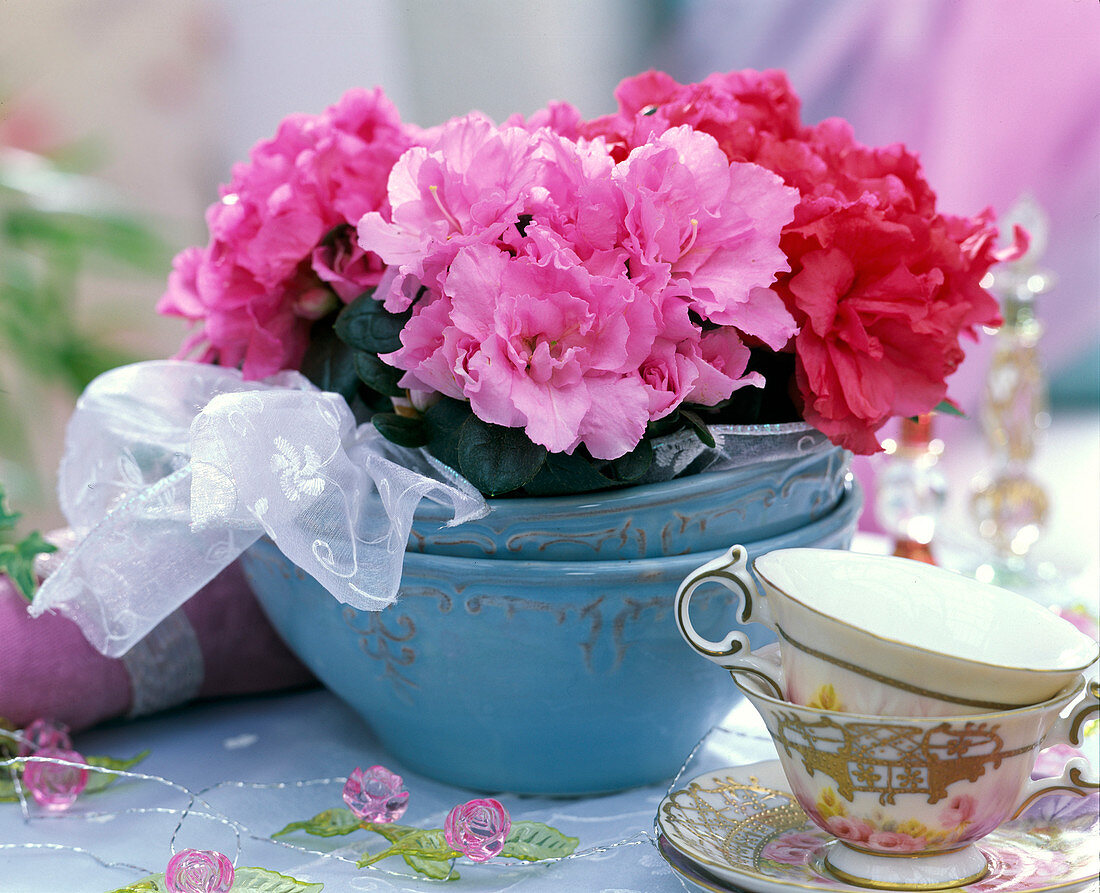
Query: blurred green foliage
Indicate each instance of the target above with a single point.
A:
(56, 226)
(17, 556)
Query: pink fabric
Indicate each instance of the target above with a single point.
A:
(48, 669)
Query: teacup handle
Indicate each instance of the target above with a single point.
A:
(734, 651)
(1077, 777)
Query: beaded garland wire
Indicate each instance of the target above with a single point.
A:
(198, 806)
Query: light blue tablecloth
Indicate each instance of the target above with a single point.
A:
(302, 737)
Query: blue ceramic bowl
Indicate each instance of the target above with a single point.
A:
(540, 677)
(698, 513)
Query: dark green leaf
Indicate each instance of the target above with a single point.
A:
(329, 363)
(562, 474)
(698, 426)
(400, 429)
(330, 823)
(634, 464)
(445, 419)
(377, 375)
(496, 459)
(366, 325)
(534, 840)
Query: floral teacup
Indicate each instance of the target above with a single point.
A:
(924, 788)
(881, 635)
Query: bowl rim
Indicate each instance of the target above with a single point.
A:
(704, 481)
(846, 511)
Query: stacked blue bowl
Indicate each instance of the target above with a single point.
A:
(535, 651)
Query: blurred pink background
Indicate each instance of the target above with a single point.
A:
(1000, 100)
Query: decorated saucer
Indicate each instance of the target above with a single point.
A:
(741, 828)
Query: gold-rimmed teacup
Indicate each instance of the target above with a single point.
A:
(878, 635)
(907, 797)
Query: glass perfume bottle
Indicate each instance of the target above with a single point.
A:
(911, 491)
(1008, 503)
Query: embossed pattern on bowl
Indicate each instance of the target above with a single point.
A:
(702, 512)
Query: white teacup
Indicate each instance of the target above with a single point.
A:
(888, 636)
(906, 797)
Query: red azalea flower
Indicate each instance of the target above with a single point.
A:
(881, 285)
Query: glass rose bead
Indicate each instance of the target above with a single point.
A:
(376, 795)
(478, 829)
(45, 734)
(199, 871)
(53, 786)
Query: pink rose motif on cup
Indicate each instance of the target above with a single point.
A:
(54, 786)
(199, 871)
(792, 848)
(44, 734)
(959, 811)
(376, 795)
(478, 828)
(855, 830)
(895, 842)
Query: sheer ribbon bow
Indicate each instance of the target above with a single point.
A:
(172, 469)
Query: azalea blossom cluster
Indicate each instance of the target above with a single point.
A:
(880, 284)
(582, 279)
(567, 294)
(282, 245)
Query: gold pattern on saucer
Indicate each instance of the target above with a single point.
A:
(892, 758)
(731, 821)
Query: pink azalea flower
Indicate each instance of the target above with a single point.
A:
(530, 341)
(282, 230)
(713, 224)
(560, 286)
(469, 186)
(881, 286)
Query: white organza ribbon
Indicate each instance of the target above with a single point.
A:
(172, 469)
